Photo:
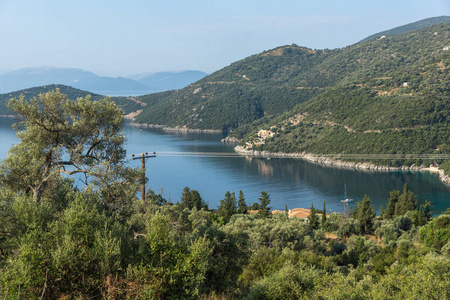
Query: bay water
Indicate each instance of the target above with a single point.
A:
(289, 182)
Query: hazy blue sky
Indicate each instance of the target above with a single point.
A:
(120, 38)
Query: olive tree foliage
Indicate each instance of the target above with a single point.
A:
(59, 136)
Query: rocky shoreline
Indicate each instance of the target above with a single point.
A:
(444, 178)
(182, 129)
(230, 140)
(341, 164)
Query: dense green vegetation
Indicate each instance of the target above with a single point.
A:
(395, 100)
(381, 96)
(410, 27)
(239, 94)
(127, 104)
(72, 93)
(445, 166)
(275, 81)
(98, 241)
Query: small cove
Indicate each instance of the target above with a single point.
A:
(291, 182)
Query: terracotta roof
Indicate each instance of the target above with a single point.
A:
(299, 212)
(293, 213)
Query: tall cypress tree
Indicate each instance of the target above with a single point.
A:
(264, 208)
(419, 216)
(324, 215)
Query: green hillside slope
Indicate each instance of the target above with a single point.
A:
(72, 93)
(410, 27)
(395, 98)
(265, 84)
(273, 82)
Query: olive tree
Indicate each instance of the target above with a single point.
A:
(60, 136)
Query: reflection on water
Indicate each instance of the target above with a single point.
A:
(290, 182)
(265, 169)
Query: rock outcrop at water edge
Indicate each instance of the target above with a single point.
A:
(338, 163)
(181, 129)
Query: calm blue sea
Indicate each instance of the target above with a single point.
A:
(290, 182)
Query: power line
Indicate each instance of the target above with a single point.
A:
(358, 156)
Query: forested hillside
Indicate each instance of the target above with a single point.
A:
(274, 81)
(72, 93)
(409, 27)
(265, 84)
(394, 97)
(388, 95)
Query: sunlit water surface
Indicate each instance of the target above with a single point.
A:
(289, 182)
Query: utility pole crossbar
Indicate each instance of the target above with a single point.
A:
(142, 157)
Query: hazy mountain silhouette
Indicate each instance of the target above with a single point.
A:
(164, 81)
(85, 80)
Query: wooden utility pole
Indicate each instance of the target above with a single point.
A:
(142, 158)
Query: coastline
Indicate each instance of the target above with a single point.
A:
(182, 129)
(344, 164)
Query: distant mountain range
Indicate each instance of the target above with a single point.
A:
(84, 80)
(165, 81)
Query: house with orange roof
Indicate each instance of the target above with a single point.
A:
(302, 213)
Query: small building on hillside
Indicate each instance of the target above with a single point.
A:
(265, 133)
(301, 213)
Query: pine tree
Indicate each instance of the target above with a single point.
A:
(313, 218)
(264, 208)
(406, 202)
(242, 204)
(364, 212)
(400, 203)
(191, 198)
(227, 206)
(391, 207)
(427, 214)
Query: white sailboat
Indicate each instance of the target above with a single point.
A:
(344, 196)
